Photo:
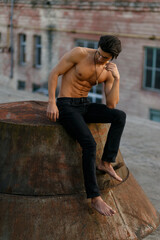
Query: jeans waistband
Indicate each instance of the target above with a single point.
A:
(73, 100)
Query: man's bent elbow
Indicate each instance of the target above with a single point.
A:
(112, 106)
(53, 74)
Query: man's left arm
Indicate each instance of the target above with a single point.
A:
(112, 85)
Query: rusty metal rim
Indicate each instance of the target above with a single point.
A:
(69, 194)
(26, 124)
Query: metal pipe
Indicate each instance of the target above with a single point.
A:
(11, 39)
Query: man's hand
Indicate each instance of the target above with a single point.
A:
(114, 70)
(52, 111)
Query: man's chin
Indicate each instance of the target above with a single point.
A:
(99, 62)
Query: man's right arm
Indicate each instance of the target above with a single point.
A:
(67, 62)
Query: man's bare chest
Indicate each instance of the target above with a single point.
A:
(86, 71)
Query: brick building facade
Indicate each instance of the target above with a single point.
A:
(44, 30)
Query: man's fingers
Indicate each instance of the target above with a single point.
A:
(50, 115)
(58, 115)
(54, 117)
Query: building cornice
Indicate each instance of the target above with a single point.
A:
(116, 5)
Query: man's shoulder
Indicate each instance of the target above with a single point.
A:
(81, 50)
(77, 54)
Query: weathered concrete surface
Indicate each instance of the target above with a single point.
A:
(135, 217)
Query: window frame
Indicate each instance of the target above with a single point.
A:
(22, 49)
(37, 46)
(153, 68)
(153, 112)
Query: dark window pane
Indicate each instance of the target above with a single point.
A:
(38, 40)
(21, 85)
(98, 100)
(149, 57)
(91, 90)
(99, 89)
(39, 56)
(23, 37)
(90, 45)
(80, 44)
(22, 48)
(158, 58)
(148, 78)
(23, 54)
(38, 51)
(157, 80)
(35, 86)
(90, 99)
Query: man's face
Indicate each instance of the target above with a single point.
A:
(102, 57)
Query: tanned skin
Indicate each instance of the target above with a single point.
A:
(77, 68)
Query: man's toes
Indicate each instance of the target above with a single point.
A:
(107, 213)
(112, 211)
(117, 177)
(120, 179)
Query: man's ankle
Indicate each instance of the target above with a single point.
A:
(95, 199)
(105, 163)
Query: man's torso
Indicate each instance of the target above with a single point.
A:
(78, 81)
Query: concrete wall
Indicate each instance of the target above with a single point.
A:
(60, 23)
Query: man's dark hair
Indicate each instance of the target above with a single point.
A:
(110, 44)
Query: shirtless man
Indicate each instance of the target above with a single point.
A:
(82, 68)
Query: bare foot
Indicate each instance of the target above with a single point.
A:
(102, 207)
(107, 167)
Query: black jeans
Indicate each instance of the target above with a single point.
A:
(74, 113)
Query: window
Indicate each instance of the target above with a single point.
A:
(22, 55)
(95, 94)
(155, 115)
(21, 85)
(38, 51)
(152, 69)
(87, 43)
(35, 87)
